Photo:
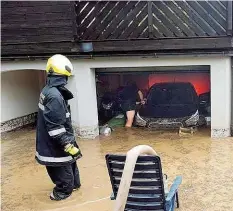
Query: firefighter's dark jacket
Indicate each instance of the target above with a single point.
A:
(54, 129)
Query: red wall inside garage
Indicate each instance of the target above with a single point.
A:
(201, 81)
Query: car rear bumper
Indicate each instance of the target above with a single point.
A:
(167, 125)
(162, 123)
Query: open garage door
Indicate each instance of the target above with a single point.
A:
(176, 96)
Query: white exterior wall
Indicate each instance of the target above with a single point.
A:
(221, 98)
(231, 96)
(85, 103)
(84, 106)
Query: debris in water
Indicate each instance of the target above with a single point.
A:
(187, 130)
(105, 130)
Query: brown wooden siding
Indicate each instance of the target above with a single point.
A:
(124, 20)
(31, 24)
(32, 28)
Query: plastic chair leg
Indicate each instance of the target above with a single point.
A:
(177, 200)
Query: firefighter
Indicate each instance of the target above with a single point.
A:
(56, 147)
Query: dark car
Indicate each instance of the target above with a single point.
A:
(169, 105)
(204, 104)
(204, 108)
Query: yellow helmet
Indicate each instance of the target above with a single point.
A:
(59, 65)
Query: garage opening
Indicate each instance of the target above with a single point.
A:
(175, 96)
(20, 91)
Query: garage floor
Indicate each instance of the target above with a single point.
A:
(206, 167)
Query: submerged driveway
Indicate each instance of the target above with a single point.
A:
(206, 166)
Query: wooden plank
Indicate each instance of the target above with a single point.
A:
(156, 33)
(131, 16)
(108, 18)
(223, 2)
(188, 21)
(11, 18)
(93, 11)
(219, 7)
(134, 25)
(175, 19)
(40, 49)
(105, 7)
(137, 33)
(12, 4)
(99, 18)
(229, 18)
(35, 38)
(150, 19)
(37, 9)
(36, 48)
(74, 24)
(37, 31)
(205, 18)
(81, 16)
(145, 33)
(215, 15)
(113, 25)
(165, 20)
(195, 17)
(112, 14)
(79, 5)
(37, 24)
(163, 44)
(162, 28)
(78, 8)
(83, 26)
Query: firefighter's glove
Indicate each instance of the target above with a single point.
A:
(72, 150)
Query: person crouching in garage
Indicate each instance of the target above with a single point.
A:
(128, 98)
(56, 147)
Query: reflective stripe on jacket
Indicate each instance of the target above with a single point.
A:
(54, 129)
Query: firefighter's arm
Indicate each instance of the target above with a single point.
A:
(55, 118)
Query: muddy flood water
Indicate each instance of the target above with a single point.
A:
(206, 166)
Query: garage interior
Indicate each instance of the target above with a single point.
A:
(109, 81)
(19, 97)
